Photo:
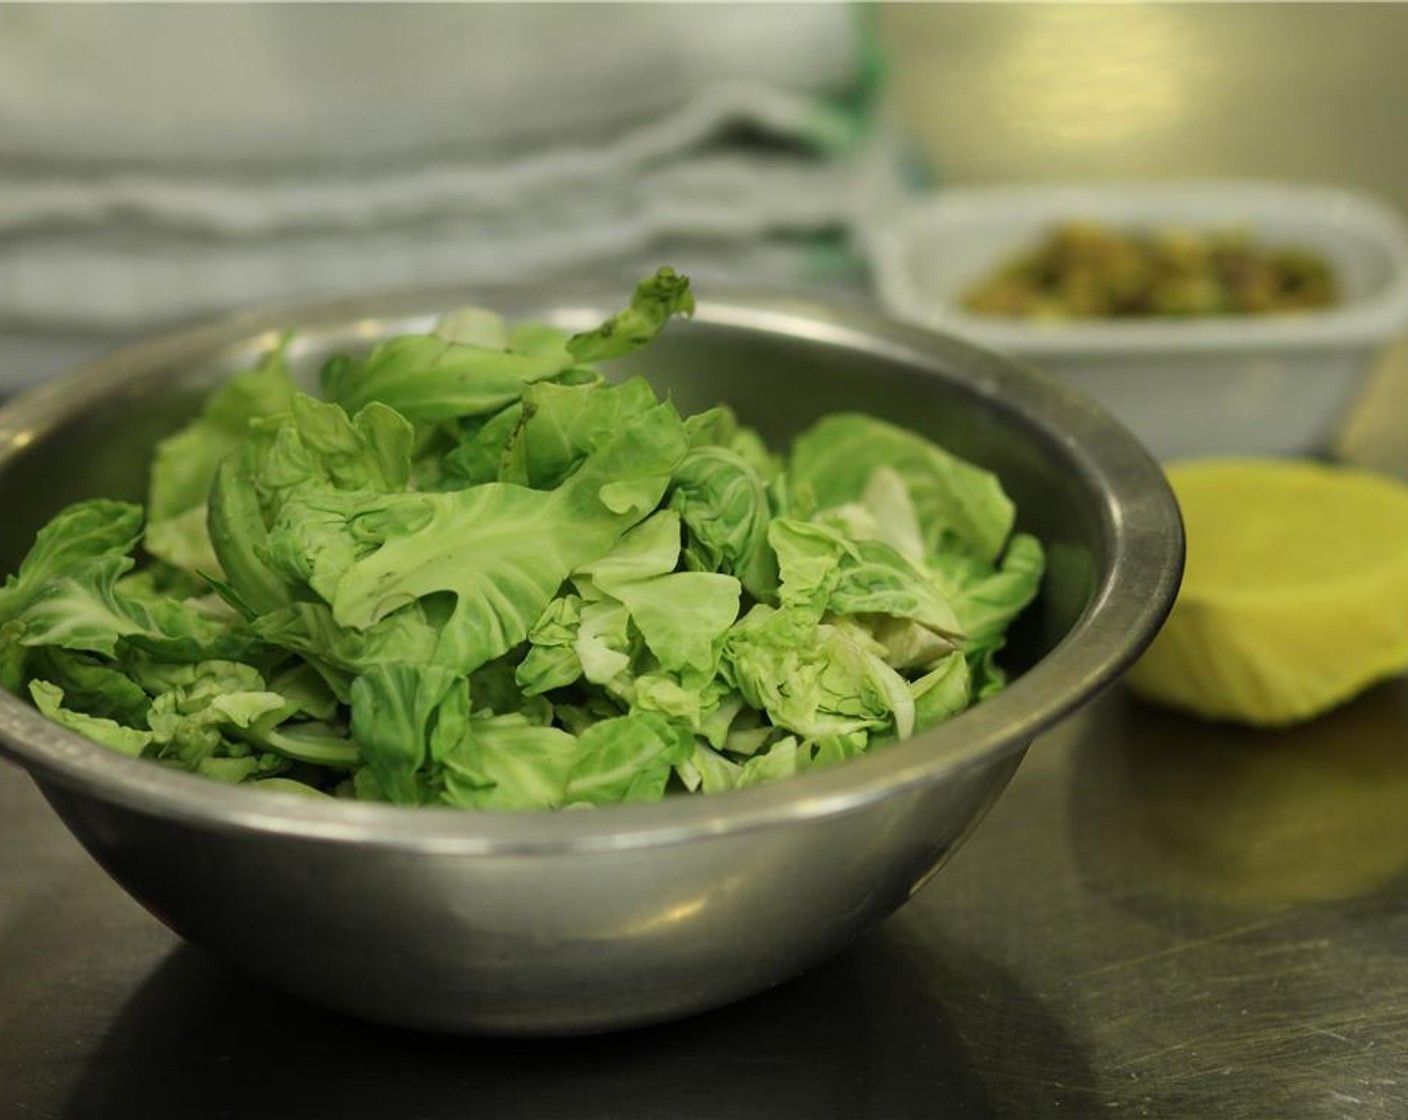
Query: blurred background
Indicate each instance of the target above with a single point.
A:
(1309, 92)
(1297, 92)
(162, 163)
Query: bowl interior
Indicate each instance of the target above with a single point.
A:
(1081, 484)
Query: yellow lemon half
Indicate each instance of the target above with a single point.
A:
(1295, 595)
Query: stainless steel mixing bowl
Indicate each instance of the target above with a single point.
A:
(573, 922)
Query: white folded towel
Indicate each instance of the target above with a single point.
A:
(161, 162)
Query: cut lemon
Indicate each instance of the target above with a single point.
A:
(1295, 594)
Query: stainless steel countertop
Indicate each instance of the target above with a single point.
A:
(1160, 918)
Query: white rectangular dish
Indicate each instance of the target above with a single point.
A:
(1273, 384)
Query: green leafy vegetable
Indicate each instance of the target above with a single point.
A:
(185, 464)
(49, 699)
(478, 574)
(838, 457)
(655, 302)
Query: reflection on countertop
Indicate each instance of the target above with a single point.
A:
(1247, 821)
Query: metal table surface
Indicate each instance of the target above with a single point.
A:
(1159, 918)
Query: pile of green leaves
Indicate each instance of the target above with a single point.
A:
(477, 573)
